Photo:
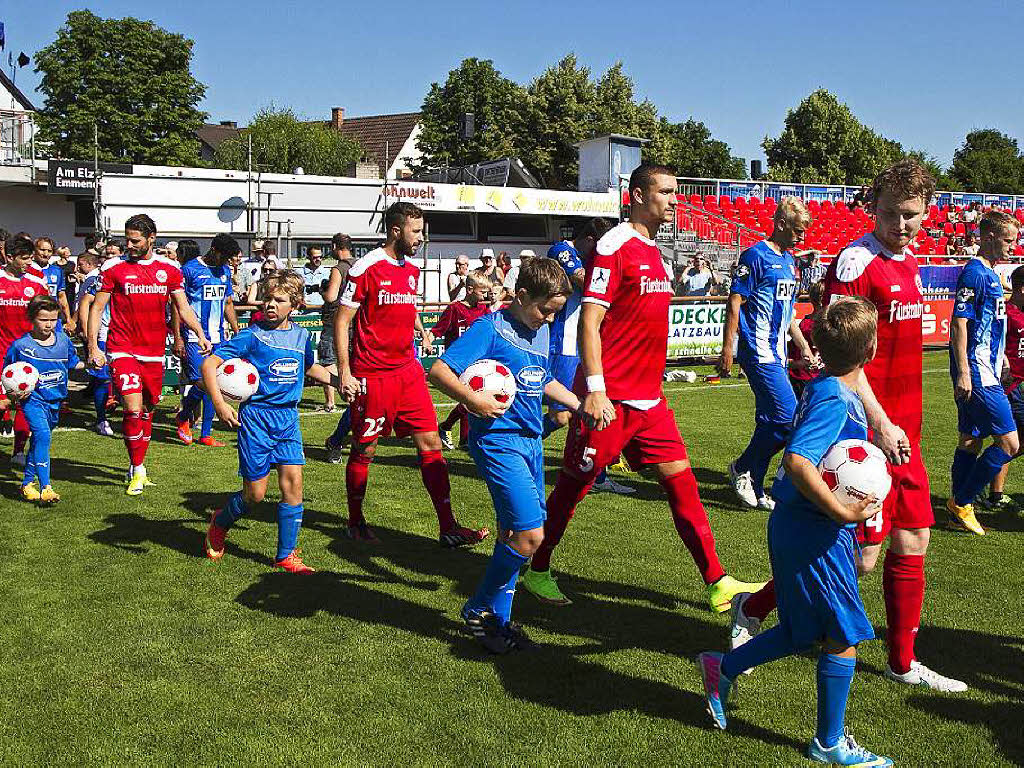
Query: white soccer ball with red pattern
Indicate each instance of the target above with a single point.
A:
(238, 379)
(854, 470)
(491, 376)
(19, 378)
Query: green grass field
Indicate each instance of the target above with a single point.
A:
(120, 643)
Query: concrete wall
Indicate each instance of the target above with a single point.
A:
(29, 208)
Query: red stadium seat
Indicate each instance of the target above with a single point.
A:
(948, 228)
(696, 200)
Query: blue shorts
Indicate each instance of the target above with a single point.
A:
(268, 436)
(192, 365)
(814, 564)
(100, 374)
(1016, 399)
(512, 465)
(563, 370)
(774, 401)
(986, 412)
(41, 414)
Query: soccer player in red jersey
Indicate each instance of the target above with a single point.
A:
(18, 286)
(138, 290)
(881, 268)
(453, 322)
(382, 378)
(623, 341)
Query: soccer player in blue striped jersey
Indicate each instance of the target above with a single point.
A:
(207, 282)
(977, 342)
(268, 422)
(505, 438)
(572, 255)
(52, 354)
(761, 308)
(56, 283)
(100, 384)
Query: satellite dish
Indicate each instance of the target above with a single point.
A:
(231, 209)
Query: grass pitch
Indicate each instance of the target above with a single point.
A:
(121, 644)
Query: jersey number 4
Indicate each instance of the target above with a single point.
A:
(875, 522)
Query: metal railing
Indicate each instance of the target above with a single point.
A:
(17, 139)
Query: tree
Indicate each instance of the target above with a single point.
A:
(823, 142)
(281, 143)
(989, 161)
(128, 78)
(929, 161)
(497, 104)
(693, 152)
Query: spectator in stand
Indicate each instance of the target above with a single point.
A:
(113, 249)
(952, 214)
(4, 237)
(952, 247)
(969, 248)
(171, 249)
(971, 215)
(187, 250)
(457, 279)
(802, 370)
(490, 268)
(512, 273)
(239, 286)
(811, 269)
(859, 200)
(315, 276)
(341, 246)
(698, 278)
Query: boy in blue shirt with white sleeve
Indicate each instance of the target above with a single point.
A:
(505, 439)
(812, 544)
(268, 422)
(53, 355)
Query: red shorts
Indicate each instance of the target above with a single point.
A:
(398, 402)
(908, 505)
(643, 437)
(132, 376)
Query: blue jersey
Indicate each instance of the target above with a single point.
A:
(207, 290)
(829, 411)
(501, 337)
(566, 322)
(281, 357)
(979, 299)
(53, 363)
(55, 281)
(767, 282)
(91, 286)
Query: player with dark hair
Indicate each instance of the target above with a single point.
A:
(623, 348)
(138, 290)
(208, 287)
(383, 380)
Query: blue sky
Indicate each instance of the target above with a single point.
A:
(922, 73)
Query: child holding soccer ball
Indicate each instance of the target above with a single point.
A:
(812, 546)
(268, 422)
(51, 353)
(505, 438)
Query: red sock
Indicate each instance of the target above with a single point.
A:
(463, 425)
(762, 602)
(692, 524)
(356, 473)
(903, 587)
(434, 471)
(567, 493)
(450, 419)
(21, 431)
(147, 431)
(133, 428)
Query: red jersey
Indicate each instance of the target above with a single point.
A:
(15, 294)
(1015, 343)
(139, 293)
(627, 276)
(383, 291)
(456, 319)
(892, 283)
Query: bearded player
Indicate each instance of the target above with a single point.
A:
(623, 342)
(880, 267)
(382, 378)
(138, 290)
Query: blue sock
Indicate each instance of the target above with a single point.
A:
(192, 398)
(39, 455)
(99, 399)
(289, 521)
(835, 673)
(207, 416)
(498, 586)
(233, 510)
(963, 463)
(340, 434)
(550, 425)
(767, 646)
(982, 473)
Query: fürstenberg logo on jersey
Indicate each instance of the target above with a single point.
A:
(383, 297)
(901, 311)
(150, 289)
(648, 285)
(13, 302)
